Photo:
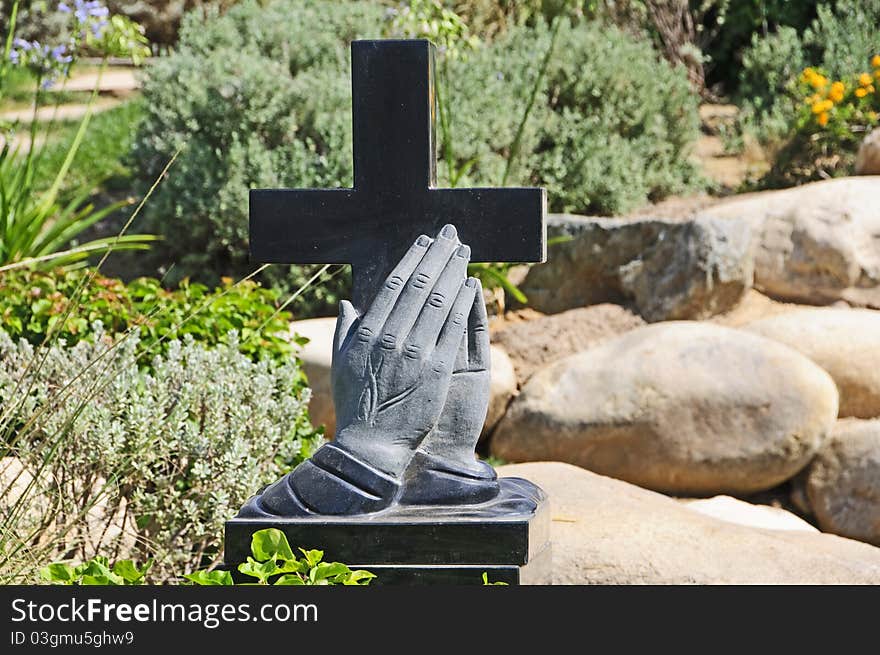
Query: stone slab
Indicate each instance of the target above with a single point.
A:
(420, 545)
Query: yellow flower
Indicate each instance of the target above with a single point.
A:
(823, 119)
(861, 92)
(864, 79)
(875, 61)
(818, 81)
(808, 74)
(870, 88)
(837, 91)
(872, 115)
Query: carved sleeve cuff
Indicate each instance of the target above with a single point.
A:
(334, 481)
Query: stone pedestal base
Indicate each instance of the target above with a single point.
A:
(507, 538)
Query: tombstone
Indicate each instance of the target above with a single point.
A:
(400, 492)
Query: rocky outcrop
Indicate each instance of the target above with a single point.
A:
(815, 243)
(667, 270)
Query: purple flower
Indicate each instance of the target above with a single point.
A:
(98, 28)
(22, 44)
(59, 54)
(14, 57)
(47, 83)
(83, 10)
(63, 8)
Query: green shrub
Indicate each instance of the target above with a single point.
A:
(612, 126)
(260, 97)
(97, 571)
(840, 40)
(126, 462)
(32, 303)
(272, 561)
(257, 98)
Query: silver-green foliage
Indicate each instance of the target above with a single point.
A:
(133, 462)
(259, 97)
(613, 124)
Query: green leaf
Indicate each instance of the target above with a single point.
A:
(97, 572)
(326, 570)
(214, 578)
(486, 582)
(312, 556)
(128, 571)
(260, 570)
(270, 544)
(289, 580)
(359, 577)
(59, 573)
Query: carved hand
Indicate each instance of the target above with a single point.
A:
(392, 367)
(458, 429)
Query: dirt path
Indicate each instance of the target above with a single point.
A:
(60, 113)
(116, 84)
(114, 80)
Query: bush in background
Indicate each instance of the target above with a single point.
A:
(612, 127)
(256, 98)
(69, 302)
(840, 41)
(260, 97)
(126, 462)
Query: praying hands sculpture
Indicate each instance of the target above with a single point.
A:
(410, 382)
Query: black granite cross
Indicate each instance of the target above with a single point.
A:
(394, 198)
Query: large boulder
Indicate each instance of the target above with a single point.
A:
(682, 407)
(668, 270)
(843, 482)
(817, 243)
(868, 157)
(605, 531)
(502, 387)
(533, 344)
(317, 357)
(845, 342)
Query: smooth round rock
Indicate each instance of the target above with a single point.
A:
(683, 407)
(605, 531)
(845, 342)
(316, 357)
(868, 156)
(502, 387)
(843, 482)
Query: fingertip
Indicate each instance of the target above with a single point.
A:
(424, 241)
(473, 283)
(449, 231)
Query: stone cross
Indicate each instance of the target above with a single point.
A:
(394, 198)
